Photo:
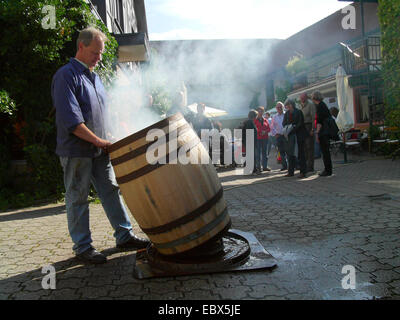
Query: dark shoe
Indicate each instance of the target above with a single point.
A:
(310, 170)
(92, 256)
(324, 174)
(284, 169)
(267, 169)
(134, 243)
(289, 175)
(301, 176)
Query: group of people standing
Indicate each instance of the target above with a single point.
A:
(294, 132)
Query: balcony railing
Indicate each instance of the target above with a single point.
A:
(319, 68)
(365, 54)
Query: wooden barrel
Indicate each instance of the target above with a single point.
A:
(179, 206)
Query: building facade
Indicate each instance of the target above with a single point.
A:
(126, 21)
(320, 49)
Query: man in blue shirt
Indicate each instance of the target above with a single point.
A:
(277, 132)
(80, 101)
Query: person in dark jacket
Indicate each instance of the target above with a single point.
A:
(296, 138)
(322, 114)
(249, 125)
(200, 121)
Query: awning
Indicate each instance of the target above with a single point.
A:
(132, 47)
(208, 112)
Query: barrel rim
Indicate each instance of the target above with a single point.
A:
(143, 149)
(161, 162)
(142, 133)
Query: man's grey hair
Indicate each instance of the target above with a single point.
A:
(290, 102)
(88, 34)
(317, 96)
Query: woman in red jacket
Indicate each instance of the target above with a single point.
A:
(262, 142)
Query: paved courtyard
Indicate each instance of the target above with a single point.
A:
(313, 227)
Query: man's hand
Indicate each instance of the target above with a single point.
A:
(101, 143)
(84, 133)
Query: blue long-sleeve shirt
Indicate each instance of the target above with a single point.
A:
(79, 97)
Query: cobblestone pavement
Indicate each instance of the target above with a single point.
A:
(312, 226)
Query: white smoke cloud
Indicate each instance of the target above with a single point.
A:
(128, 111)
(224, 74)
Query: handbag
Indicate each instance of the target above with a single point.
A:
(287, 130)
(330, 129)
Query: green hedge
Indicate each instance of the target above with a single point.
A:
(29, 57)
(389, 19)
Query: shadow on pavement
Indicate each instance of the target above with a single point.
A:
(74, 279)
(270, 176)
(32, 214)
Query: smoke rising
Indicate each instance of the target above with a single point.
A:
(128, 107)
(224, 74)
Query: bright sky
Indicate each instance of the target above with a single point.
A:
(230, 19)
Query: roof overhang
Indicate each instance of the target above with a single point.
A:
(132, 47)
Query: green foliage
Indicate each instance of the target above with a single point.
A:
(161, 100)
(29, 57)
(46, 176)
(389, 18)
(296, 65)
(393, 116)
(282, 92)
(374, 132)
(387, 149)
(7, 105)
(156, 83)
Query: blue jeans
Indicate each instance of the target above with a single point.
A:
(271, 142)
(261, 154)
(79, 173)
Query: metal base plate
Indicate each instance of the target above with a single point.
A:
(258, 258)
